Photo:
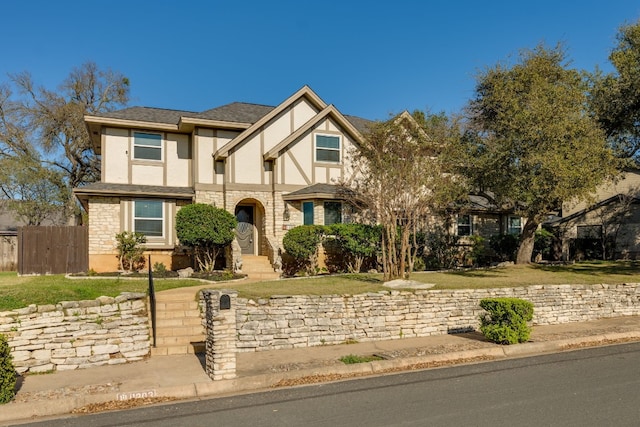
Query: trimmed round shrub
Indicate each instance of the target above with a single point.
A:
(207, 229)
(301, 244)
(506, 321)
(8, 373)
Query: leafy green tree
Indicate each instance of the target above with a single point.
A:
(47, 126)
(532, 141)
(403, 178)
(34, 193)
(207, 229)
(615, 97)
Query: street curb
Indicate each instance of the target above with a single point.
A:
(20, 411)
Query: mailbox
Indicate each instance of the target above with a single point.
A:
(225, 302)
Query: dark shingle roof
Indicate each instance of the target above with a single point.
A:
(323, 191)
(239, 112)
(359, 123)
(144, 190)
(148, 114)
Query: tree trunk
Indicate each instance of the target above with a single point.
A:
(527, 240)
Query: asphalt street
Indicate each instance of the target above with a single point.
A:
(594, 387)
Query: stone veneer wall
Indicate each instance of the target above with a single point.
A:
(303, 321)
(104, 223)
(78, 334)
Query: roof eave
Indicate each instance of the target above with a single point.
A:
(82, 193)
(110, 121)
(321, 195)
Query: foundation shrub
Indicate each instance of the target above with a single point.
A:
(352, 247)
(506, 320)
(7, 372)
(301, 247)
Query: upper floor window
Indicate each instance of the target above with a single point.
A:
(307, 213)
(332, 213)
(147, 146)
(148, 217)
(328, 148)
(464, 225)
(515, 225)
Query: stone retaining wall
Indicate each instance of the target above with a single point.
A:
(78, 334)
(303, 321)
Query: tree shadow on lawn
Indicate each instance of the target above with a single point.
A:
(479, 272)
(595, 268)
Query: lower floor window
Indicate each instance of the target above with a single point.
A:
(148, 217)
(307, 213)
(464, 225)
(332, 213)
(515, 225)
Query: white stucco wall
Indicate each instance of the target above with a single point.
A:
(115, 155)
(178, 160)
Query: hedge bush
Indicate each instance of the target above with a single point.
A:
(301, 243)
(7, 372)
(354, 246)
(506, 321)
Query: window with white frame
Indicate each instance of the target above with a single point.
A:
(328, 148)
(515, 225)
(148, 217)
(332, 213)
(464, 225)
(307, 213)
(147, 146)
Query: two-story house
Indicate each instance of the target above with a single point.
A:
(273, 167)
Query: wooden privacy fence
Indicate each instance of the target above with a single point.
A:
(52, 250)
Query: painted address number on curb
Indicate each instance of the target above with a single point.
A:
(137, 395)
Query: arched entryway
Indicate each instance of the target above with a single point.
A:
(250, 230)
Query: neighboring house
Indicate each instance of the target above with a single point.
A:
(482, 218)
(607, 226)
(273, 167)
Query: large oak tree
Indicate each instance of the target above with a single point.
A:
(532, 141)
(615, 97)
(43, 130)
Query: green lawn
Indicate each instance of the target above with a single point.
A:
(17, 292)
(586, 273)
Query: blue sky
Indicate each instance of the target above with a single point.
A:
(368, 58)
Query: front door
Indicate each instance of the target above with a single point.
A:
(245, 229)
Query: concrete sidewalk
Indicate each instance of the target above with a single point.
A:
(163, 378)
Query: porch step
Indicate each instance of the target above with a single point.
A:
(179, 327)
(258, 267)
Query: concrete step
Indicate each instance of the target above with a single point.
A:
(179, 331)
(177, 322)
(178, 340)
(179, 327)
(176, 314)
(167, 350)
(264, 276)
(258, 267)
